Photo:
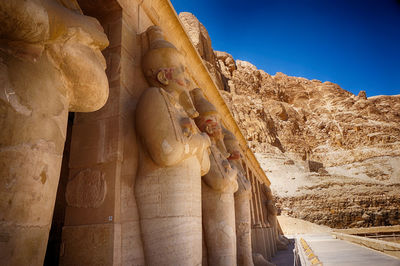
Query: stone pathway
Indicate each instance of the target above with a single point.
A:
(285, 257)
(335, 252)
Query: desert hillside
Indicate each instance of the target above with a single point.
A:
(333, 157)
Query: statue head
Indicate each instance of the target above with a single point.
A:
(163, 67)
(268, 193)
(233, 148)
(209, 120)
(231, 144)
(56, 31)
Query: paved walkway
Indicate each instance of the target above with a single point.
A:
(335, 252)
(285, 257)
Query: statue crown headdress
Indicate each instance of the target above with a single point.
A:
(203, 106)
(156, 38)
(161, 54)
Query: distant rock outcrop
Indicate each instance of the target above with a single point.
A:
(343, 149)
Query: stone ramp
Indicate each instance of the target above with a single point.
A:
(335, 252)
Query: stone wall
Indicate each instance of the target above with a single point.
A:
(101, 225)
(104, 150)
(104, 229)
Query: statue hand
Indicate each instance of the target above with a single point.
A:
(187, 128)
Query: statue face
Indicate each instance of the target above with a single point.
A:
(212, 127)
(235, 155)
(179, 78)
(174, 78)
(163, 65)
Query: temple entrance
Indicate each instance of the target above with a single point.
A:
(54, 247)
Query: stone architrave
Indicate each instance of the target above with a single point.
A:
(272, 212)
(173, 156)
(50, 63)
(242, 202)
(218, 187)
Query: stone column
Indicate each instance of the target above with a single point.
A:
(242, 202)
(258, 239)
(218, 187)
(50, 63)
(280, 242)
(173, 156)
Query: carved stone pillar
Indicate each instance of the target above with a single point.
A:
(218, 186)
(242, 202)
(173, 156)
(50, 63)
(280, 242)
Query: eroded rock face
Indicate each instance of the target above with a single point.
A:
(342, 205)
(314, 134)
(201, 40)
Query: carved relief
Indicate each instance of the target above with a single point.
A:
(87, 189)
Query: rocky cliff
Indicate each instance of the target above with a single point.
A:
(333, 157)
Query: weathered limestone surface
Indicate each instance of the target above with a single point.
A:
(50, 63)
(320, 137)
(173, 156)
(218, 187)
(105, 141)
(98, 240)
(87, 189)
(101, 224)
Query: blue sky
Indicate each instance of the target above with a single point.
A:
(354, 43)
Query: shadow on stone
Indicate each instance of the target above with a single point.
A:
(285, 257)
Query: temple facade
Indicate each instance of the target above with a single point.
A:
(94, 209)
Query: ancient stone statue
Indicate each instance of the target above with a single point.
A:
(50, 63)
(242, 202)
(218, 187)
(281, 241)
(173, 156)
